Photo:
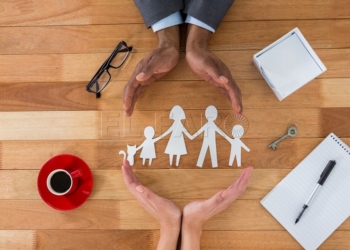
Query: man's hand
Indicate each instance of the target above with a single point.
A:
(209, 67)
(154, 66)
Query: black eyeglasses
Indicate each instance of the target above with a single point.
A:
(102, 77)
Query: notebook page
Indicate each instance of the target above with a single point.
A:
(331, 205)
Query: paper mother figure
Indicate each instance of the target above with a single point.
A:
(176, 144)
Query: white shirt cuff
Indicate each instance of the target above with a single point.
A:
(195, 21)
(171, 20)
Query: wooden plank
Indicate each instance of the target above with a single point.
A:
(147, 239)
(53, 96)
(273, 240)
(17, 240)
(128, 215)
(97, 239)
(102, 154)
(48, 125)
(80, 12)
(81, 67)
(238, 216)
(311, 122)
(71, 96)
(325, 34)
(35, 214)
(63, 12)
(186, 184)
(65, 125)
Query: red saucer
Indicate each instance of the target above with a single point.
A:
(73, 200)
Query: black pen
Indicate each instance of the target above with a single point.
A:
(323, 177)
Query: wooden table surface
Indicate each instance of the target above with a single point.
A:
(49, 50)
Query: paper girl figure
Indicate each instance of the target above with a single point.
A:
(236, 145)
(176, 144)
(209, 139)
(148, 149)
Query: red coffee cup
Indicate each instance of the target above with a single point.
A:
(63, 182)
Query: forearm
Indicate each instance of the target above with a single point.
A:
(168, 237)
(197, 37)
(169, 37)
(190, 237)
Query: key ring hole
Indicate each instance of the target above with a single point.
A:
(292, 131)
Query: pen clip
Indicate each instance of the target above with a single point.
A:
(326, 172)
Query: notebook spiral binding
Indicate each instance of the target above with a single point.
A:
(341, 143)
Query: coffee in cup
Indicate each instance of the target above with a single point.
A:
(62, 182)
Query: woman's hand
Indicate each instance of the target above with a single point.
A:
(165, 211)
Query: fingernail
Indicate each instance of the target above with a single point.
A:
(222, 78)
(223, 194)
(141, 75)
(139, 189)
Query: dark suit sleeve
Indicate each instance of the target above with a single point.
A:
(153, 11)
(210, 12)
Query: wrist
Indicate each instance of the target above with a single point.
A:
(197, 37)
(169, 37)
(190, 237)
(168, 237)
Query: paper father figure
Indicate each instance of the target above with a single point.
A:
(209, 139)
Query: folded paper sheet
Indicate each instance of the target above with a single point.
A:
(288, 64)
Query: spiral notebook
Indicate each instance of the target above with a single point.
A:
(331, 205)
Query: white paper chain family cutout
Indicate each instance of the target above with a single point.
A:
(176, 145)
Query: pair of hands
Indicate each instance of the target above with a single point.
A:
(163, 59)
(195, 213)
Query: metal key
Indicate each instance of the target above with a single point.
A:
(292, 132)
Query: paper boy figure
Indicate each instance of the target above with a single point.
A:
(236, 144)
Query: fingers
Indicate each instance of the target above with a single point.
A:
(128, 111)
(239, 186)
(129, 177)
(148, 71)
(217, 73)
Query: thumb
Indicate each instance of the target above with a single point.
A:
(147, 71)
(216, 74)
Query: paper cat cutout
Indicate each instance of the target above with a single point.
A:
(131, 152)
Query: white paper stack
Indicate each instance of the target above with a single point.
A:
(288, 64)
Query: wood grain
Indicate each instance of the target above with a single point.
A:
(70, 96)
(17, 240)
(103, 154)
(185, 184)
(80, 12)
(49, 50)
(128, 215)
(265, 240)
(101, 239)
(326, 34)
(48, 125)
(81, 67)
(111, 125)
